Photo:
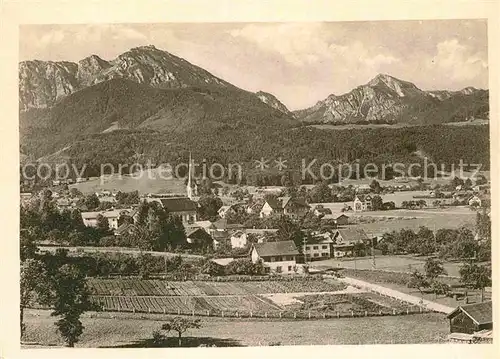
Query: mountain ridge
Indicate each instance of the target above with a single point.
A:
(387, 99)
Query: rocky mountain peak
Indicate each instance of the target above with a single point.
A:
(272, 101)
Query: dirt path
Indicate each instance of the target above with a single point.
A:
(397, 294)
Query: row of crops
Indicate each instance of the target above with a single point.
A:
(156, 287)
(184, 304)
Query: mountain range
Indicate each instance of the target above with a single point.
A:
(150, 89)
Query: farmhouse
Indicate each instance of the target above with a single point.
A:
(277, 257)
(345, 239)
(289, 206)
(362, 203)
(113, 217)
(471, 318)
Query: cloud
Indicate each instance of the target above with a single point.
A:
(51, 38)
(458, 61)
(92, 33)
(303, 44)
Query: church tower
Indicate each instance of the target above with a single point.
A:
(189, 187)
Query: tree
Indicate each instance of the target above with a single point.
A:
(71, 300)
(103, 225)
(377, 203)
(418, 281)
(35, 286)
(321, 193)
(483, 225)
(91, 202)
(208, 207)
(181, 325)
(468, 183)
(375, 186)
(433, 268)
(426, 242)
(476, 277)
(288, 230)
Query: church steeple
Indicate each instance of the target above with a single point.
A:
(189, 187)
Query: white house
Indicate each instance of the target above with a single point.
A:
(362, 203)
(277, 257)
(113, 216)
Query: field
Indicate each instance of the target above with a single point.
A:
(386, 221)
(264, 299)
(144, 182)
(203, 298)
(398, 263)
(133, 330)
(140, 287)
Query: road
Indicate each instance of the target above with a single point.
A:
(427, 304)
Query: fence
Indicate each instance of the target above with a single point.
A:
(270, 314)
(288, 315)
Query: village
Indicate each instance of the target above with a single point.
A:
(279, 233)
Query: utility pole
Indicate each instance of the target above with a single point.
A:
(304, 249)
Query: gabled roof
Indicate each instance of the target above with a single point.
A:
(363, 197)
(181, 204)
(107, 214)
(281, 248)
(352, 235)
(335, 216)
(193, 230)
(274, 203)
(480, 313)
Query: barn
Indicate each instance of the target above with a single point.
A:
(471, 318)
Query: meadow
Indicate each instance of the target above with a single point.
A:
(125, 330)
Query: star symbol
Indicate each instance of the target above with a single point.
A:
(261, 164)
(280, 164)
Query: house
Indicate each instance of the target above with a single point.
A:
(471, 318)
(288, 206)
(318, 248)
(362, 203)
(254, 207)
(271, 207)
(113, 217)
(345, 239)
(277, 257)
(239, 239)
(320, 211)
(339, 218)
(197, 237)
(296, 207)
(180, 206)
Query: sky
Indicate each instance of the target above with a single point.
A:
(300, 63)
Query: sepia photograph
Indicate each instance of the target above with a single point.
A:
(254, 184)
